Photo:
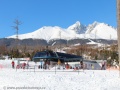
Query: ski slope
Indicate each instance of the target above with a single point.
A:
(12, 79)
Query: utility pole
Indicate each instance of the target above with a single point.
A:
(16, 27)
(60, 40)
(118, 30)
(95, 34)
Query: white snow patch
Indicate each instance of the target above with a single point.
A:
(61, 80)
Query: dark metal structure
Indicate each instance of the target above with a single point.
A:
(55, 56)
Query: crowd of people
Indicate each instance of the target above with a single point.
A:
(47, 65)
(22, 65)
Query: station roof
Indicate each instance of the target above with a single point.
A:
(64, 57)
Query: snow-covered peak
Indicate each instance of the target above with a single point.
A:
(74, 26)
(77, 27)
(91, 27)
(95, 30)
(95, 23)
(101, 31)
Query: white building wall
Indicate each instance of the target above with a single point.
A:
(94, 64)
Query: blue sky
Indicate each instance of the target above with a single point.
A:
(35, 14)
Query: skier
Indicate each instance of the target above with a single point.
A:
(103, 65)
(23, 65)
(13, 64)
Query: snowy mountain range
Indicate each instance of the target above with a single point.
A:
(93, 31)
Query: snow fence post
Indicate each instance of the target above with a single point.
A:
(34, 68)
(55, 68)
(16, 68)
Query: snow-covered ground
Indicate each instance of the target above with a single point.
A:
(12, 79)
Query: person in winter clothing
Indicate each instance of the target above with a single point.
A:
(23, 65)
(103, 65)
(13, 64)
